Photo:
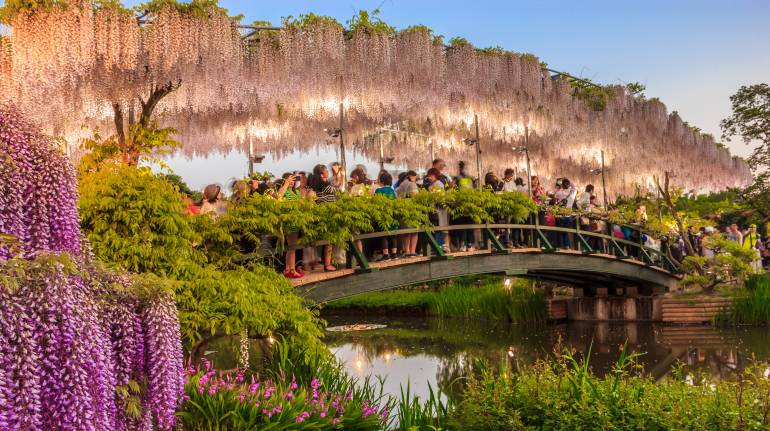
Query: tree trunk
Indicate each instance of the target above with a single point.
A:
(666, 194)
(156, 95)
(120, 128)
(128, 148)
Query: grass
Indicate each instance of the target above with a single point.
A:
(416, 414)
(563, 394)
(487, 298)
(752, 304)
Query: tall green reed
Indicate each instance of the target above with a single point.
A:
(415, 414)
(752, 304)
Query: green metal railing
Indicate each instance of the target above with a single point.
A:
(537, 237)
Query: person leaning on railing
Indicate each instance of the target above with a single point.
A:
(325, 193)
(290, 190)
(496, 185)
(464, 238)
(389, 242)
(407, 188)
(435, 185)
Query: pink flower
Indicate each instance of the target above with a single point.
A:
(302, 416)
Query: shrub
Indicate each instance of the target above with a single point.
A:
(135, 221)
(563, 394)
(731, 262)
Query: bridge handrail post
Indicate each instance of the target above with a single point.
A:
(433, 244)
(490, 236)
(619, 252)
(642, 252)
(360, 258)
(581, 239)
(544, 243)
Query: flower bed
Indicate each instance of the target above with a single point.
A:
(234, 401)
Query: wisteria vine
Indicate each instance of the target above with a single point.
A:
(69, 66)
(73, 336)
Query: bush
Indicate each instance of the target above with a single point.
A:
(563, 394)
(731, 263)
(134, 220)
(338, 222)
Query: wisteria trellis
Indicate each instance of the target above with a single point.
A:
(71, 334)
(67, 67)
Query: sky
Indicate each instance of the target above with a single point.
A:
(692, 54)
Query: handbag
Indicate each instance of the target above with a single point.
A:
(550, 220)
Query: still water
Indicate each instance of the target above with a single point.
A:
(428, 351)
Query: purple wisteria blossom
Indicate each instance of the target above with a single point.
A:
(38, 193)
(72, 337)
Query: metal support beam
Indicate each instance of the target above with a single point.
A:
(360, 258)
(497, 246)
(432, 243)
(619, 252)
(544, 243)
(583, 243)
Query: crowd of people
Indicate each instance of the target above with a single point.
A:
(325, 184)
(748, 238)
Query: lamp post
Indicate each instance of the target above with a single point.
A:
(253, 159)
(383, 159)
(339, 133)
(477, 143)
(382, 152)
(343, 164)
(604, 182)
(601, 171)
(525, 150)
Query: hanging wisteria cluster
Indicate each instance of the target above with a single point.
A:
(280, 89)
(73, 338)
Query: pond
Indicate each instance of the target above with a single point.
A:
(430, 352)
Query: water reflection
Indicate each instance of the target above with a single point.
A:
(439, 352)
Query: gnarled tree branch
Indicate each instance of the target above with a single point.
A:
(156, 95)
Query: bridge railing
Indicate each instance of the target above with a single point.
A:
(535, 236)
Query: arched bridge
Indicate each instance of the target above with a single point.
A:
(596, 261)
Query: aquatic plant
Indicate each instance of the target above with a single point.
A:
(563, 394)
(416, 414)
(752, 303)
(489, 299)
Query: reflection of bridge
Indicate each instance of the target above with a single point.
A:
(597, 260)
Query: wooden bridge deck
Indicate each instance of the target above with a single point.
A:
(567, 266)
